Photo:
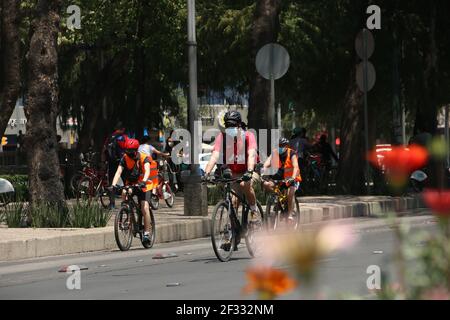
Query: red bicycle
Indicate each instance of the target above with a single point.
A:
(163, 191)
(93, 184)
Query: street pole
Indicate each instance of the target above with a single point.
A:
(293, 120)
(272, 92)
(447, 134)
(279, 116)
(366, 120)
(195, 200)
(192, 56)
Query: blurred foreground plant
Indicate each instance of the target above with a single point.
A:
(423, 257)
(268, 282)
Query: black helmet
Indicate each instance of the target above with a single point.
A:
(283, 142)
(232, 119)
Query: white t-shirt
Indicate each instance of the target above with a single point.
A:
(147, 149)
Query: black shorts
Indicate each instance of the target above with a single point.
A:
(144, 196)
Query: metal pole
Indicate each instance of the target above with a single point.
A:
(271, 119)
(279, 116)
(366, 120)
(293, 119)
(192, 56)
(447, 134)
(272, 103)
(195, 200)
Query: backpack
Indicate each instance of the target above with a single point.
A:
(113, 148)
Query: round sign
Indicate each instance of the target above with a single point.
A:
(371, 76)
(359, 44)
(272, 61)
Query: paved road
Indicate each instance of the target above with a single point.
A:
(136, 275)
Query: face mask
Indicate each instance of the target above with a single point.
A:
(281, 150)
(170, 144)
(232, 132)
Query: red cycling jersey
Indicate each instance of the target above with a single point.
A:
(234, 151)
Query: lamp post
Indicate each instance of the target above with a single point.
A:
(195, 200)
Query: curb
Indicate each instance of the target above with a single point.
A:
(88, 240)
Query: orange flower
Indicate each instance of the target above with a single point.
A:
(268, 282)
(438, 201)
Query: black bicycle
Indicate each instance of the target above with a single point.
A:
(277, 206)
(227, 230)
(129, 221)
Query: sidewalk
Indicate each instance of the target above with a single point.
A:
(172, 225)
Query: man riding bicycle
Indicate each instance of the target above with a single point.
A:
(239, 155)
(139, 169)
(285, 160)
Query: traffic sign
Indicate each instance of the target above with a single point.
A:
(272, 61)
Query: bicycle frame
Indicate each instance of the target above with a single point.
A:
(136, 215)
(228, 193)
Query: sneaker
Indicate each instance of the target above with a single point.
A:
(253, 217)
(226, 246)
(146, 237)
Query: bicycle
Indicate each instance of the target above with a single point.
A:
(87, 169)
(162, 191)
(129, 221)
(277, 206)
(226, 229)
(94, 185)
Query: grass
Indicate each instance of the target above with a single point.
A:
(48, 215)
(12, 214)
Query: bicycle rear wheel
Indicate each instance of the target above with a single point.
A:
(171, 197)
(85, 190)
(254, 227)
(123, 228)
(105, 197)
(154, 201)
(222, 233)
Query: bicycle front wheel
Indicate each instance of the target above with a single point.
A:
(273, 211)
(149, 244)
(123, 228)
(255, 226)
(222, 234)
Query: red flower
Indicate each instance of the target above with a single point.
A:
(399, 162)
(438, 201)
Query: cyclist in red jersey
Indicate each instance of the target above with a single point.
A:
(239, 155)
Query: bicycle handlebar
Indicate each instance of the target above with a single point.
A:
(221, 180)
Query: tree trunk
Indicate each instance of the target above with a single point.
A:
(42, 106)
(265, 29)
(93, 125)
(426, 116)
(351, 163)
(11, 61)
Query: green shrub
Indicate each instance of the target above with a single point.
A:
(88, 215)
(12, 214)
(49, 215)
